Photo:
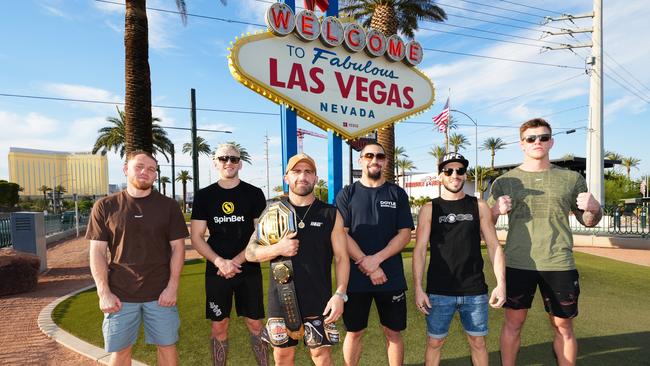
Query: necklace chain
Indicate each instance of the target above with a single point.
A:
(301, 224)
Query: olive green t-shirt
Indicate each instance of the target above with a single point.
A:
(539, 235)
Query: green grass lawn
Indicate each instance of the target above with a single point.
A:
(613, 326)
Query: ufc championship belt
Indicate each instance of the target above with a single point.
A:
(277, 221)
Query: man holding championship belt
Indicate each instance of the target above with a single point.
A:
(301, 236)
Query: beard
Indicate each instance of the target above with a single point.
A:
(453, 190)
(143, 186)
(302, 190)
(374, 175)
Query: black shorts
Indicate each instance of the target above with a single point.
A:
(317, 333)
(249, 298)
(559, 289)
(391, 306)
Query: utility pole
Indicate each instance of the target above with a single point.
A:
(195, 150)
(595, 150)
(266, 153)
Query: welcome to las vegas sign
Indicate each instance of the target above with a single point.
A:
(351, 81)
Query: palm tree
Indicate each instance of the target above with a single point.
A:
(629, 163)
(451, 125)
(493, 144)
(480, 175)
(184, 177)
(405, 165)
(164, 181)
(44, 189)
(458, 141)
(612, 155)
(438, 152)
(201, 145)
(113, 137)
(243, 153)
(138, 78)
(391, 17)
(399, 152)
(320, 190)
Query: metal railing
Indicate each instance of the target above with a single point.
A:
(53, 224)
(628, 220)
(5, 232)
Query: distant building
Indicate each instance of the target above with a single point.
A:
(82, 173)
(419, 185)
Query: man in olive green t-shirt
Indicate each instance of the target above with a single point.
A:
(537, 197)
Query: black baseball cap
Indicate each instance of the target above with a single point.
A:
(451, 158)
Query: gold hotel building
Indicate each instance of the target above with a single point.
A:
(82, 173)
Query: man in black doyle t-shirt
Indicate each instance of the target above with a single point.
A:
(378, 219)
(453, 224)
(229, 209)
(320, 237)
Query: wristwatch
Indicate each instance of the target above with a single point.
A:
(342, 295)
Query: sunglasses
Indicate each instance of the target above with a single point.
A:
(233, 159)
(532, 138)
(449, 171)
(370, 156)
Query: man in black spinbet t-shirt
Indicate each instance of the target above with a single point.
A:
(320, 237)
(453, 224)
(378, 219)
(229, 209)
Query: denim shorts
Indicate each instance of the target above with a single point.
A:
(121, 328)
(473, 312)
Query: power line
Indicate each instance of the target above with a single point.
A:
(492, 22)
(227, 20)
(528, 93)
(479, 37)
(122, 103)
(532, 7)
(504, 59)
(500, 8)
(496, 15)
(493, 32)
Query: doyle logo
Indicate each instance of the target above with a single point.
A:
(228, 207)
(351, 81)
(452, 218)
(316, 224)
(389, 204)
(223, 219)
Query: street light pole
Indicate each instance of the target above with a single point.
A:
(476, 191)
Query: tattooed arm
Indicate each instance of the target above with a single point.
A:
(287, 247)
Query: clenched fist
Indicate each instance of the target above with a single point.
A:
(503, 205)
(587, 202)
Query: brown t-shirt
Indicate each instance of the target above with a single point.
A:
(138, 232)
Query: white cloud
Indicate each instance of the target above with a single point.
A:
(74, 91)
(55, 11)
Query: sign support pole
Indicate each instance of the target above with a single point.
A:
(288, 128)
(334, 145)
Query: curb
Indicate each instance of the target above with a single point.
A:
(50, 329)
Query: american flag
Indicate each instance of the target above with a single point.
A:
(442, 119)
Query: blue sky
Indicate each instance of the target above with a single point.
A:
(74, 49)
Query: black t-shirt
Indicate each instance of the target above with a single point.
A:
(312, 265)
(456, 264)
(229, 214)
(373, 217)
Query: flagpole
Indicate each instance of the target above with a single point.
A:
(448, 120)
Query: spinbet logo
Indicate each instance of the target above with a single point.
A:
(233, 218)
(228, 208)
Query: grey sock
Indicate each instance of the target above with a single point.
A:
(219, 352)
(260, 349)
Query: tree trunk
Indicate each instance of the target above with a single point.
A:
(184, 196)
(385, 21)
(492, 163)
(137, 100)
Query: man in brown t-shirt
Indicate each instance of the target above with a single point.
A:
(144, 233)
